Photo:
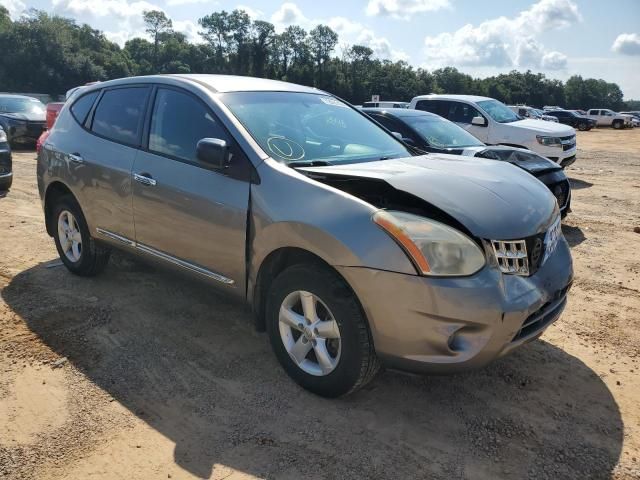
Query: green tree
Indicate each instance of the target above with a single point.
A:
(156, 23)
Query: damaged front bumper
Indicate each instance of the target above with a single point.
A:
(444, 325)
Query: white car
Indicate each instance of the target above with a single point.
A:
(635, 118)
(494, 123)
(608, 118)
(530, 112)
(386, 104)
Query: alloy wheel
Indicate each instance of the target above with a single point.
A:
(69, 236)
(309, 333)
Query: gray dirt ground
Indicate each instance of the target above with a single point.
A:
(165, 379)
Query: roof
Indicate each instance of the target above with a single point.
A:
(11, 95)
(464, 98)
(219, 83)
(400, 112)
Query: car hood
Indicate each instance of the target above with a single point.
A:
(543, 127)
(491, 199)
(525, 159)
(29, 117)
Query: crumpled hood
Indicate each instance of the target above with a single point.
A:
(29, 117)
(493, 200)
(525, 159)
(543, 127)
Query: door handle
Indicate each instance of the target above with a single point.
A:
(76, 158)
(145, 179)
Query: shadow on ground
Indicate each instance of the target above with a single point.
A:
(579, 184)
(188, 363)
(574, 235)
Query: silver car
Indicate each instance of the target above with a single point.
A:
(353, 250)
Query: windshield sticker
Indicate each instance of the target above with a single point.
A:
(285, 148)
(333, 102)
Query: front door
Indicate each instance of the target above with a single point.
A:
(463, 114)
(184, 212)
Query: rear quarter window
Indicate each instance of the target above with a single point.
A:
(80, 108)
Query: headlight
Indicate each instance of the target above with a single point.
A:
(434, 248)
(549, 141)
(3, 136)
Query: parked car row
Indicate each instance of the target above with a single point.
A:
(354, 248)
(493, 123)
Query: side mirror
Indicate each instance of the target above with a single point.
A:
(479, 121)
(398, 135)
(212, 152)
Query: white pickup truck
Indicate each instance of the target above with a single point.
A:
(494, 123)
(608, 118)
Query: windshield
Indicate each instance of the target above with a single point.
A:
(21, 105)
(306, 127)
(442, 133)
(499, 111)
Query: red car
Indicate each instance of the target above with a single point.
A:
(53, 109)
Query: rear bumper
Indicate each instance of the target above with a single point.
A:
(439, 325)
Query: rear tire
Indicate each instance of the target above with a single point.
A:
(583, 126)
(77, 249)
(352, 359)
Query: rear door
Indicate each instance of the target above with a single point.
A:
(102, 158)
(186, 213)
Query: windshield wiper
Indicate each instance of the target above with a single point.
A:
(309, 163)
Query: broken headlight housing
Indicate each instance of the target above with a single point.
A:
(434, 248)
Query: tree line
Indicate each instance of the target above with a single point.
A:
(50, 54)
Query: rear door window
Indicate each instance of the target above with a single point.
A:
(439, 107)
(119, 114)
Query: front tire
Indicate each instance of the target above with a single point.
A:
(617, 125)
(318, 331)
(77, 249)
(582, 127)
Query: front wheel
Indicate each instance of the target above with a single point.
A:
(78, 251)
(319, 332)
(582, 127)
(617, 125)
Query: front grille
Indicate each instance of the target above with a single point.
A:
(511, 256)
(560, 190)
(568, 142)
(544, 316)
(34, 129)
(524, 256)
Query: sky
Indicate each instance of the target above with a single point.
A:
(560, 38)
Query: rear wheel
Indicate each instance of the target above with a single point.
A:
(78, 251)
(583, 126)
(318, 331)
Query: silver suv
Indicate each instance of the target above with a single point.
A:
(354, 250)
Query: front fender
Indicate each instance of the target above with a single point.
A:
(289, 209)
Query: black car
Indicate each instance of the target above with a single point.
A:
(572, 118)
(432, 133)
(6, 176)
(22, 118)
